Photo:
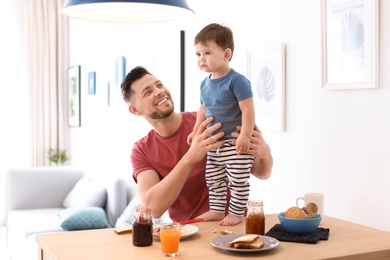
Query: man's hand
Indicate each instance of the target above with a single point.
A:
(190, 137)
(258, 147)
(202, 142)
(263, 163)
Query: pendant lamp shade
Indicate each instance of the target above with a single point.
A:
(122, 11)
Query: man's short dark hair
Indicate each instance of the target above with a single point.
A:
(135, 74)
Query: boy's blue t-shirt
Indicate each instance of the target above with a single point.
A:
(220, 98)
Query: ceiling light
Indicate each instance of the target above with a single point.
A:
(127, 11)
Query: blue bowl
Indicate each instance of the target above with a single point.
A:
(300, 225)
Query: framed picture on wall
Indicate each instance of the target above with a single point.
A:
(266, 71)
(108, 93)
(170, 47)
(350, 44)
(74, 97)
(120, 70)
(92, 83)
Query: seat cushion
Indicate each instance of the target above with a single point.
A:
(31, 221)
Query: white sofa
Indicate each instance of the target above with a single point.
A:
(35, 196)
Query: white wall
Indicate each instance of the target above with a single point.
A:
(14, 105)
(336, 141)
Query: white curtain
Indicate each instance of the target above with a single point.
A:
(48, 63)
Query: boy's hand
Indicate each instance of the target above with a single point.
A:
(242, 144)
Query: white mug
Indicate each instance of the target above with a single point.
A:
(314, 201)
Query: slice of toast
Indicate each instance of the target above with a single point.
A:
(123, 230)
(245, 239)
(254, 245)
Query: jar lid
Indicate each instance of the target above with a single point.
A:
(255, 203)
(142, 214)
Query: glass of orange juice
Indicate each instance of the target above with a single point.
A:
(170, 238)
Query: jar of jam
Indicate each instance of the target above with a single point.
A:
(142, 226)
(255, 219)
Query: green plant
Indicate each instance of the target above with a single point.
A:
(58, 156)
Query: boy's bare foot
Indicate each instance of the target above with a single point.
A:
(231, 220)
(211, 215)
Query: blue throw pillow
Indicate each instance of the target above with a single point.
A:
(83, 218)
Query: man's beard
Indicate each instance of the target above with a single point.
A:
(162, 114)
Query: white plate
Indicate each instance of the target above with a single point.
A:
(222, 242)
(186, 231)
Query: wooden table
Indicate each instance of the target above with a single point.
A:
(346, 241)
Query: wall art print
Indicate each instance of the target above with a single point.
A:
(350, 44)
(120, 70)
(170, 48)
(74, 97)
(266, 71)
(92, 83)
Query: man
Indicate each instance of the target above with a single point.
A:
(170, 173)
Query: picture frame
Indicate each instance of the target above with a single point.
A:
(350, 44)
(120, 70)
(74, 96)
(266, 71)
(108, 93)
(92, 83)
(171, 46)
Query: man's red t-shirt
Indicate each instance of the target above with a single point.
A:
(161, 154)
